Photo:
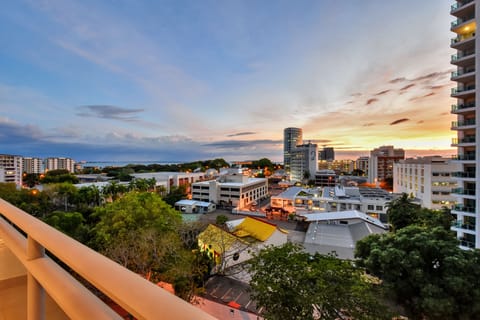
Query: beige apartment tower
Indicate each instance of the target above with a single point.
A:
(465, 211)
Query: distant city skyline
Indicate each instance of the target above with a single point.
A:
(189, 80)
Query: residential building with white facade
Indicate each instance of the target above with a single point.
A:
(362, 164)
(466, 15)
(231, 189)
(59, 163)
(32, 165)
(304, 161)
(380, 165)
(292, 137)
(372, 201)
(428, 179)
(11, 166)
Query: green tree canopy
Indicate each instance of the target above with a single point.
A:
(402, 212)
(59, 176)
(291, 284)
(425, 271)
(131, 213)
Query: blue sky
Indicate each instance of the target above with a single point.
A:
(188, 80)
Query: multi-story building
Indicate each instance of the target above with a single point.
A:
(372, 201)
(231, 189)
(32, 165)
(327, 154)
(325, 178)
(304, 162)
(362, 164)
(11, 166)
(59, 163)
(291, 138)
(339, 166)
(380, 165)
(428, 179)
(465, 60)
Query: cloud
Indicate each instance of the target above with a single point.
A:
(12, 133)
(357, 94)
(370, 101)
(108, 112)
(382, 92)
(436, 87)
(421, 97)
(369, 124)
(399, 121)
(242, 143)
(246, 133)
(430, 76)
(408, 86)
(396, 80)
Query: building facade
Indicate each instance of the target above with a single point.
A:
(304, 162)
(32, 165)
(11, 166)
(428, 179)
(327, 153)
(55, 163)
(339, 166)
(232, 189)
(325, 178)
(362, 164)
(291, 138)
(465, 13)
(380, 165)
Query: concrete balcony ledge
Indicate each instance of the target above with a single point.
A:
(44, 278)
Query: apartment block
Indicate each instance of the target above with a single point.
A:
(304, 162)
(428, 179)
(32, 165)
(465, 211)
(11, 169)
(380, 165)
(292, 137)
(59, 163)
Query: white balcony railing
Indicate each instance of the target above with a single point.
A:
(141, 298)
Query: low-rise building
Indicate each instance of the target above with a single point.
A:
(231, 189)
(192, 206)
(428, 179)
(372, 201)
(172, 179)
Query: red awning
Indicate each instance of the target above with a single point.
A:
(233, 304)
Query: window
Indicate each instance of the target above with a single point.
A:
(379, 208)
(370, 207)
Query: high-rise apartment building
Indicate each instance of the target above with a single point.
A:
(32, 165)
(11, 169)
(468, 155)
(380, 165)
(60, 163)
(362, 164)
(292, 137)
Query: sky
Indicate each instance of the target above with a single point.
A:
(119, 80)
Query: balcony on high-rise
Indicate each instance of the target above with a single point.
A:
(463, 107)
(463, 124)
(460, 7)
(34, 286)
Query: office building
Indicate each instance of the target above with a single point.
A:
(291, 138)
(362, 164)
(428, 179)
(464, 60)
(304, 162)
(11, 169)
(327, 153)
(59, 164)
(380, 165)
(339, 166)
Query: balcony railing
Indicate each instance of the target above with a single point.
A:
(463, 123)
(467, 192)
(461, 38)
(462, 208)
(459, 21)
(467, 139)
(463, 174)
(462, 89)
(462, 54)
(141, 298)
(462, 72)
(463, 157)
(462, 225)
(458, 5)
(456, 107)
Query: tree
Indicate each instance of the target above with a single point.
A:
(59, 176)
(291, 284)
(425, 271)
(70, 223)
(176, 194)
(402, 212)
(133, 212)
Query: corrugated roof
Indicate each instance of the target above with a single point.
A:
(257, 229)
